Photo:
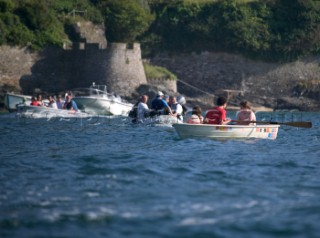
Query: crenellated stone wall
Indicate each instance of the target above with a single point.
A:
(76, 64)
(56, 69)
(91, 59)
(164, 84)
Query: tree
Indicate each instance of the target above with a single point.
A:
(245, 26)
(176, 25)
(124, 19)
(295, 25)
(40, 19)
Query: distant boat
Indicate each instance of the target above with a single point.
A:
(11, 101)
(95, 100)
(226, 131)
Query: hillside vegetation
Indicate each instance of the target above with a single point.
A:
(267, 29)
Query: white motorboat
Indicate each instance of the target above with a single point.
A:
(185, 130)
(11, 101)
(28, 111)
(95, 100)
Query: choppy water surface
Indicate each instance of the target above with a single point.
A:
(108, 178)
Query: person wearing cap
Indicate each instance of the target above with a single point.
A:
(160, 105)
(70, 104)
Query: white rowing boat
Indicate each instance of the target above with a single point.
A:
(185, 130)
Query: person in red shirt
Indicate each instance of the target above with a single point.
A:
(217, 115)
(39, 100)
(34, 101)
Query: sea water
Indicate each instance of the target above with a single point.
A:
(104, 177)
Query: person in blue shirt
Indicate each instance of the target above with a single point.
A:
(70, 104)
(160, 105)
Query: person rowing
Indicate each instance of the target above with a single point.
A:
(218, 114)
(176, 108)
(246, 115)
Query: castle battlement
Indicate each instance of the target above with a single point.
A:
(117, 65)
(124, 46)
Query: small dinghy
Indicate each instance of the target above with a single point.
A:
(185, 130)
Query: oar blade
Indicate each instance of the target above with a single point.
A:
(304, 124)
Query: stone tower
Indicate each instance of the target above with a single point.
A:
(124, 68)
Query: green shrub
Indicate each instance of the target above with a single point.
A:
(158, 72)
(125, 19)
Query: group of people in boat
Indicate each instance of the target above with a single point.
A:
(164, 105)
(55, 102)
(169, 105)
(218, 114)
(160, 105)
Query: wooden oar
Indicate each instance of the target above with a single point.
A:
(304, 124)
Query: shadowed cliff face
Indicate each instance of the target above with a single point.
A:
(293, 85)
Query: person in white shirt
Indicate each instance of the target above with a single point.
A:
(143, 108)
(176, 108)
(60, 102)
(52, 103)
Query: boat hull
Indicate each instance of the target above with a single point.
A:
(226, 131)
(102, 106)
(12, 101)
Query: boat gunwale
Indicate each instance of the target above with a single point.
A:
(102, 95)
(104, 98)
(223, 126)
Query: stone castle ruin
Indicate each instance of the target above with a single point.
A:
(91, 59)
(79, 64)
